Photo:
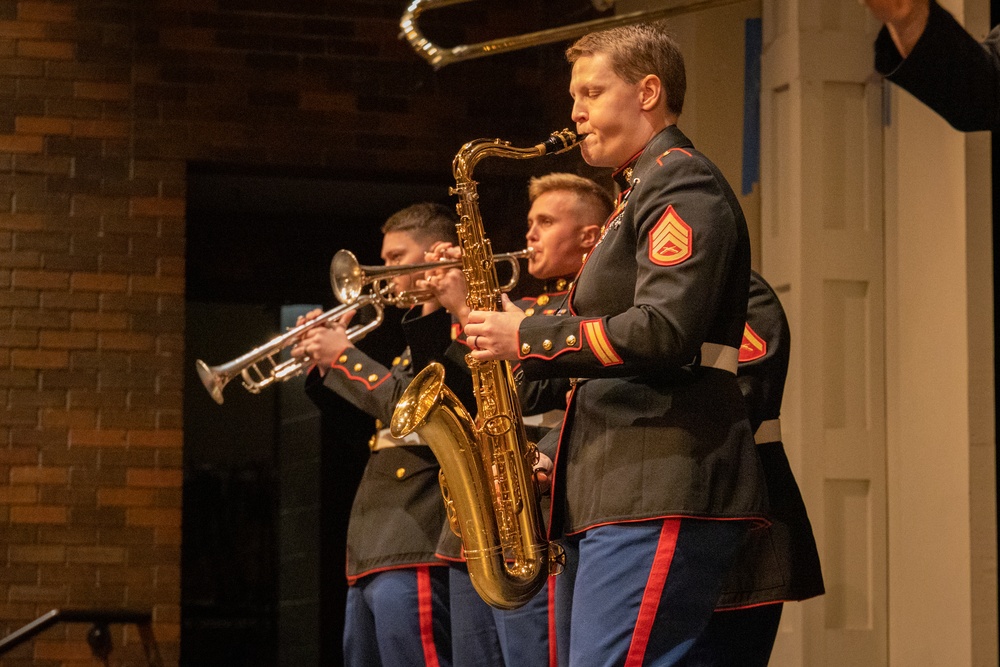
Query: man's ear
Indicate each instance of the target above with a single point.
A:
(650, 92)
(589, 236)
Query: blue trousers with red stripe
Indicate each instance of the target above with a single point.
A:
(483, 636)
(737, 638)
(640, 594)
(399, 618)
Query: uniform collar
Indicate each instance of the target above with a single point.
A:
(667, 138)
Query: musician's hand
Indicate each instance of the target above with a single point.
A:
(447, 284)
(905, 20)
(442, 251)
(323, 345)
(311, 315)
(493, 335)
(542, 474)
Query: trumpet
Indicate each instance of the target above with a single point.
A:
(348, 277)
(248, 366)
(259, 367)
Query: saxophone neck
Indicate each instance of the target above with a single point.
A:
(471, 153)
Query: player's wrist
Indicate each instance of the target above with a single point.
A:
(907, 30)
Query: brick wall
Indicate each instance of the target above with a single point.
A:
(103, 103)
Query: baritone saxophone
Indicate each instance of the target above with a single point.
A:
(486, 462)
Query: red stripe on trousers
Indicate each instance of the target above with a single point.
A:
(553, 653)
(425, 607)
(654, 589)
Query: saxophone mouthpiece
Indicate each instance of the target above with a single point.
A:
(560, 141)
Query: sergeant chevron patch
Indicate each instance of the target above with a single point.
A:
(670, 240)
(753, 346)
(599, 343)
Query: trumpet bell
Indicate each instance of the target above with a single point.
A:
(213, 381)
(347, 277)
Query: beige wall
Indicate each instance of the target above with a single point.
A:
(941, 473)
(712, 43)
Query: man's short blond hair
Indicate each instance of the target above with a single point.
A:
(637, 50)
(590, 194)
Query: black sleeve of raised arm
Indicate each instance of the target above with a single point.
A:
(949, 71)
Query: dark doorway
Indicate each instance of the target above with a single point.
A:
(268, 482)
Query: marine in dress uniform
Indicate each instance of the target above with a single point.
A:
(483, 636)
(397, 609)
(563, 223)
(656, 479)
(948, 70)
(397, 601)
(656, 430)
(778, 563)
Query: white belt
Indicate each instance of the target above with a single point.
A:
(723, 357)
(768, 431)
(384, 440)
(713, 355)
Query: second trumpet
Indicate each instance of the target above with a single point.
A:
(348, 277)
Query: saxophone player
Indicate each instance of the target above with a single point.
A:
(656, 480)
(563, 225)
(397, 602)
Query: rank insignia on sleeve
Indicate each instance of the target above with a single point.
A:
(753, 346)
(670, 240)
(599, 343)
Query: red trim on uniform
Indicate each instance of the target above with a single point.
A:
(426, 607)
(655, 584)
(668, 152)
(628, 163)
(755, 605)
(555, 459)
(534, 355)
(450, 559)
(759, 521)
(670, 240)
(553, 652)
(353, 578)
(358, 378)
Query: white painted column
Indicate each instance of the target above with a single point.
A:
(880, 241)
(941, 434)
(822, 249)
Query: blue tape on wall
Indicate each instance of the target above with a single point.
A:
(751, 104)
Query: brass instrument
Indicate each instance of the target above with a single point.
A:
(347, 275)
(486, 463)
(439, 57)
(215, 378)
(348, 278)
